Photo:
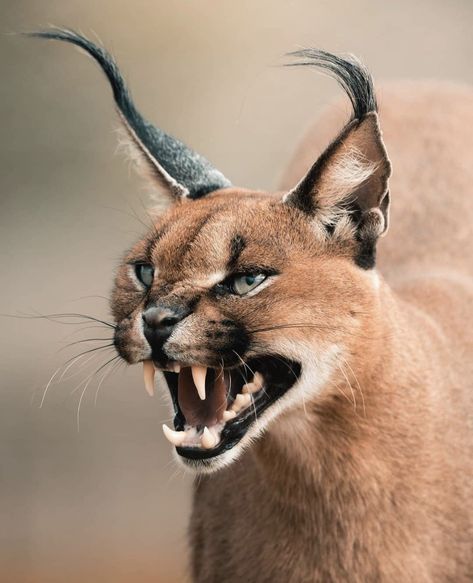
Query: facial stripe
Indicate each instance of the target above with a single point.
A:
(191, 237)
(237, 244)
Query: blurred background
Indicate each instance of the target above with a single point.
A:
(104, 501)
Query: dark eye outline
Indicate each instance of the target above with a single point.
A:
(139, 272)
(227, 286)
(234, 286)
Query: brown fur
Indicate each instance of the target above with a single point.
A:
(365, 475)
(379, 490)
(361, 469)
(370, 478)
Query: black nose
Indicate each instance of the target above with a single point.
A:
(159, 322)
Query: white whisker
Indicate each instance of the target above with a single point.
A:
(349, 384)
(48, 385)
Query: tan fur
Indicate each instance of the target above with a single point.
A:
(363, 471)
(356, 461)
(372, 480)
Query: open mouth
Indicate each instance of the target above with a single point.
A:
(214, 408)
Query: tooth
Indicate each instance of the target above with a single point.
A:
(175, 437)
(228, 415)
(241, 401)
(176, 368)
(258, 380)
(255, 385)
(148, 376)
(245, 400)
(198, 374)
(208, 439)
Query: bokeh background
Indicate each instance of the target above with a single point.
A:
(107, 503)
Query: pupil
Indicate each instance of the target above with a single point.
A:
(250, 279)
(145, 273)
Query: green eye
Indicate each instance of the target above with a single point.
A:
(145, 273)
(242, 284)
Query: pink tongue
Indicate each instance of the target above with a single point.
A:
(197, 412)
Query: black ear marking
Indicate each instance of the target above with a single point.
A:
(179, 170)
(369, 227)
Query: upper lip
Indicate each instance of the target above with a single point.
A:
(233, 399)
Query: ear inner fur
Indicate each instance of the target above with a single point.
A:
(351, 176)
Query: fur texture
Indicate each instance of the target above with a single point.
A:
(360, 469)
(371, 480)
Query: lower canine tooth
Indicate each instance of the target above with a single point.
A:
(208, 439)
(148, 376)
(175, 437)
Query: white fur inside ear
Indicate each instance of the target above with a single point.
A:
(148, 167)
(345, 174)
(159, 201)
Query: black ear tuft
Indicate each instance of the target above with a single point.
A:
(178, 169)
(350, 179)
(349, 72)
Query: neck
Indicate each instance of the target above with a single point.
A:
(359, 434)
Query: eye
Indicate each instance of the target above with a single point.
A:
(242, 284)
(145, 273)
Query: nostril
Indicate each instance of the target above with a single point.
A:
(160, 318)
(168, 321)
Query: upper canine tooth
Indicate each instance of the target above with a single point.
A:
(208, 439)
(198, 374)
(148, 376)
(175, 437)
(176, 368)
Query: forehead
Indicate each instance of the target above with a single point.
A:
(223, 233)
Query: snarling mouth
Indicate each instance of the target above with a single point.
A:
(214, 408)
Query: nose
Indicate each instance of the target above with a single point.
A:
(163, 317)
(159, 321)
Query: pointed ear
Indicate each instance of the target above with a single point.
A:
(350, 177)
(346, 190)
(146, 164)
(178, 170)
